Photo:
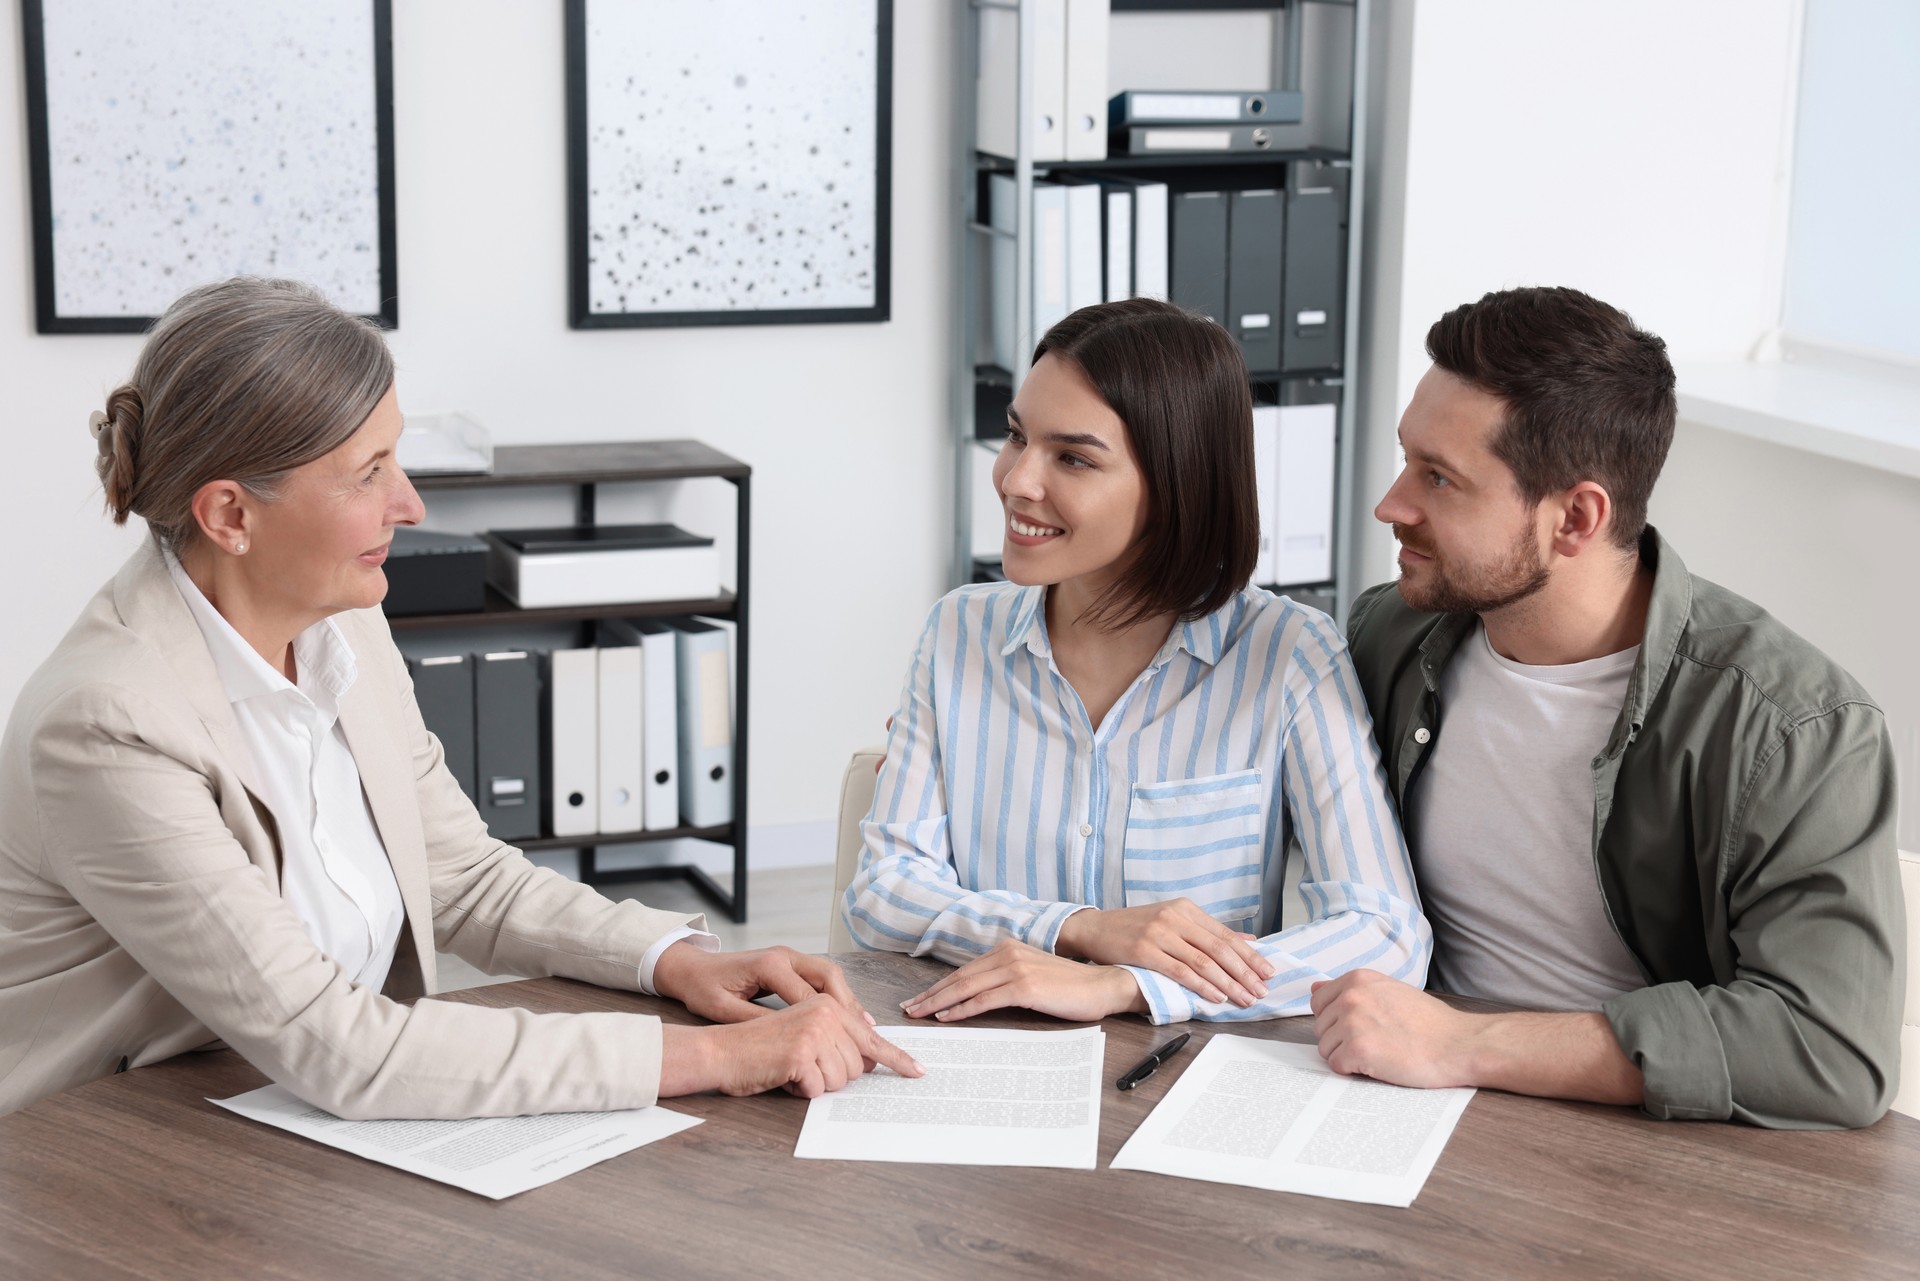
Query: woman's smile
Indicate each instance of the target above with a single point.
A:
(1030, 533)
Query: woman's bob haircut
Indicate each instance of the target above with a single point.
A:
(1179, 384)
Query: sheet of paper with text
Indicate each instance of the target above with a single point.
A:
(1268, 1114)
(989, 1098)
(493, 1156)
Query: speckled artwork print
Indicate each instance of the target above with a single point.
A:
(191, 140)
(730, 148)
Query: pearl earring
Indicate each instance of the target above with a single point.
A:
(240, 549)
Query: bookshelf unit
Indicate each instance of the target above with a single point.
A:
(585, 467)
(983, 389)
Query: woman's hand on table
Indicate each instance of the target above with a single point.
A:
(1175, 938)
(1023, 977)
(813, 1047)
(722, 985)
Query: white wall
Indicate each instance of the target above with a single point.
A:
(1641, 151)
(1636, 150)
(1825, 546)
(845, 425)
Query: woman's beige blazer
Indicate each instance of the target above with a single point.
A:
(140, 908)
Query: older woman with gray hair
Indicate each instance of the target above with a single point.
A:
(221, 818)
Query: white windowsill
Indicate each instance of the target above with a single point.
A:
(1842, 410)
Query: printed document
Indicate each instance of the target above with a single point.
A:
(989, 1098)
(495, 1156)
(1266, 1114)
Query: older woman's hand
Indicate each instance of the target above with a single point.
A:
(722, 986)
(811, 1048)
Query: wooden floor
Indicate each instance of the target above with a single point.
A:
(789, 906)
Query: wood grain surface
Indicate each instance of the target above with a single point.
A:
(137, 1175)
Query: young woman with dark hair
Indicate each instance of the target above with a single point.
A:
(1106, 758)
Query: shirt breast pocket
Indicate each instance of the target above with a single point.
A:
(1198, 838)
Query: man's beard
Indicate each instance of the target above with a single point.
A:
(1481, 590)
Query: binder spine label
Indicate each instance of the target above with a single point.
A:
(716, 729)
(1185, 106)
(1186, 139)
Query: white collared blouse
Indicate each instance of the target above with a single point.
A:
(334, 871)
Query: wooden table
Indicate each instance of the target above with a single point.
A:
(137, 1176)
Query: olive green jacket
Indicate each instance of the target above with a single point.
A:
(1743, 836)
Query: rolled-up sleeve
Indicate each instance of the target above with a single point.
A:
(1806, 1035)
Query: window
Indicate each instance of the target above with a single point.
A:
(1853, 258)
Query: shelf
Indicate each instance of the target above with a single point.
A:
(500, 610)
(723, 834)
(1184, 160)
(1325, 60)
(733, 904)
(1291, 375)
(584, 467)
(1194, 6)
(595, 464)
(995, 376)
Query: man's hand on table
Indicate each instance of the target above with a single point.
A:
(813, 1047)
(1370, 1025)
(722, 985)
(1022, 976)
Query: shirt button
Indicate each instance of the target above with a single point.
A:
(1423, 735)
(1086, 829)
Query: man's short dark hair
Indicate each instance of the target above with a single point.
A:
(1589, 395)
(1179, 384)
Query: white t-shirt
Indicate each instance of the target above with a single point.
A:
(1501, 819)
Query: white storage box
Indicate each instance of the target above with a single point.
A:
(444, 445)
(601, 565)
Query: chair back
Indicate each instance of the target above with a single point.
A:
(856, 799)
(1907, 1100)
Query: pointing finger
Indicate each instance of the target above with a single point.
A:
(882, 1051)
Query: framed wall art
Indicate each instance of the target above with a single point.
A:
(176, 142)
(728, 161)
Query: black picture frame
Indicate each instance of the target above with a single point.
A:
(580, 314)
(47, 317)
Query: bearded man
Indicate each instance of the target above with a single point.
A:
(1636, 802)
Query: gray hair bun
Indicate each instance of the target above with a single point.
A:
(116, 435)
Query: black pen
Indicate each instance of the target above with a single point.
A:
(1147, 1066)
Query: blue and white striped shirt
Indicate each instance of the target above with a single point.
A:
(1000, 811)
